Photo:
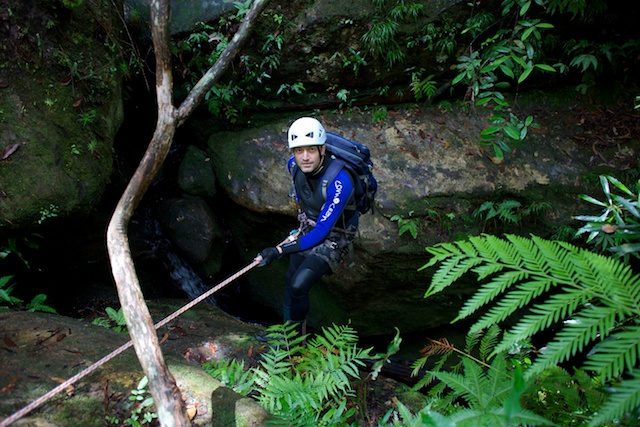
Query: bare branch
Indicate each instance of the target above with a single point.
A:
(167, 397)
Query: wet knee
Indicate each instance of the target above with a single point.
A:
(302, 282)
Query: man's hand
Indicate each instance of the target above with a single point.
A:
(268, 255)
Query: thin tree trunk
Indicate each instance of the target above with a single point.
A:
(167, 397)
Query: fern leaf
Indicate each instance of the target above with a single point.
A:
(490, 291)
(435, 347)
(555, 308)
(451, 270)
(498, 250)
(625, 397)
(472, 386)
(489, 340)
(575, 336)
(498, 384)
(617, 353)
(522, 418)
(443, 251)
(475, 418)
(554, 258)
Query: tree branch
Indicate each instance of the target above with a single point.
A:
(167, 396)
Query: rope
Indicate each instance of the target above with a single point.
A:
(33, 405)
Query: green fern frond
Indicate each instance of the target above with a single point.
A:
(498, 384)
(490, 291)
(488, 342)
(591, 324)
(453, 269)
(620, 352)
(625, 398)
(598, 295)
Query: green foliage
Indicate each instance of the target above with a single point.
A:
(353, 60)
(249, 82)
(565, 399)
(37, 304)
(381, 40)
(431, 217)
(305, 381)
(310, 385)
(72, 4)
(481, 389)
(422, 87)
(232, 374)
(139, 408)
(48, 213)
(115, 320)
(591, 301)
(379, 114)
(5, 291)
(617, 228)
(7, 248)
(405, 225)
(509, 212)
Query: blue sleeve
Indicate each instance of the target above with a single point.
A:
(338, 194)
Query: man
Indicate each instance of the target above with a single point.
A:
(327, 224)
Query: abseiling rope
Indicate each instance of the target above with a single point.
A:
(33, 405)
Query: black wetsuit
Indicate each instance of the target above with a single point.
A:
(325, 242)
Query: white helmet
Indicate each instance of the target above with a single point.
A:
(306, 131)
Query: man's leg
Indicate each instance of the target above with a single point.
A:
(305, 275)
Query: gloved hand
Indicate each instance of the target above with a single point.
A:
(268, 256)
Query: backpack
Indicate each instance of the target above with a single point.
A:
(355, 158)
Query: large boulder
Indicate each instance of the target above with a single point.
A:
(42, 350)
(61, 107)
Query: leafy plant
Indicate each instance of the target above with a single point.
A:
(195, 54)
(481, 389)
(88, 117)
(141, 406)
(617, 228)
(353, 60)
(232, 374)
(564, 398)
(422, 87)
(305, 381)
(307, 386)
(510, 212)
(48, 213)
(379, 114)
(37, 304)
(115, 320)
(381, 38)
(5, 291)
(409, 224)
(591, 301)
(507, 211)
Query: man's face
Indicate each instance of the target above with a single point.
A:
(308, 158)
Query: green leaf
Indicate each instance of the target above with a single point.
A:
(525, 74)
(546, 67)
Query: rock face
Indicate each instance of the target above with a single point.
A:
(62, 106)
(40, 351)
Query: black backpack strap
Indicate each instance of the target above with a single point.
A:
(332, 171)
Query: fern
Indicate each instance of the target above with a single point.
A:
(492, 395)
(593, 301)
(310, 385)
(564, 398)
(231, 373)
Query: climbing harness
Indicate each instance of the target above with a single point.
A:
(33, 405)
